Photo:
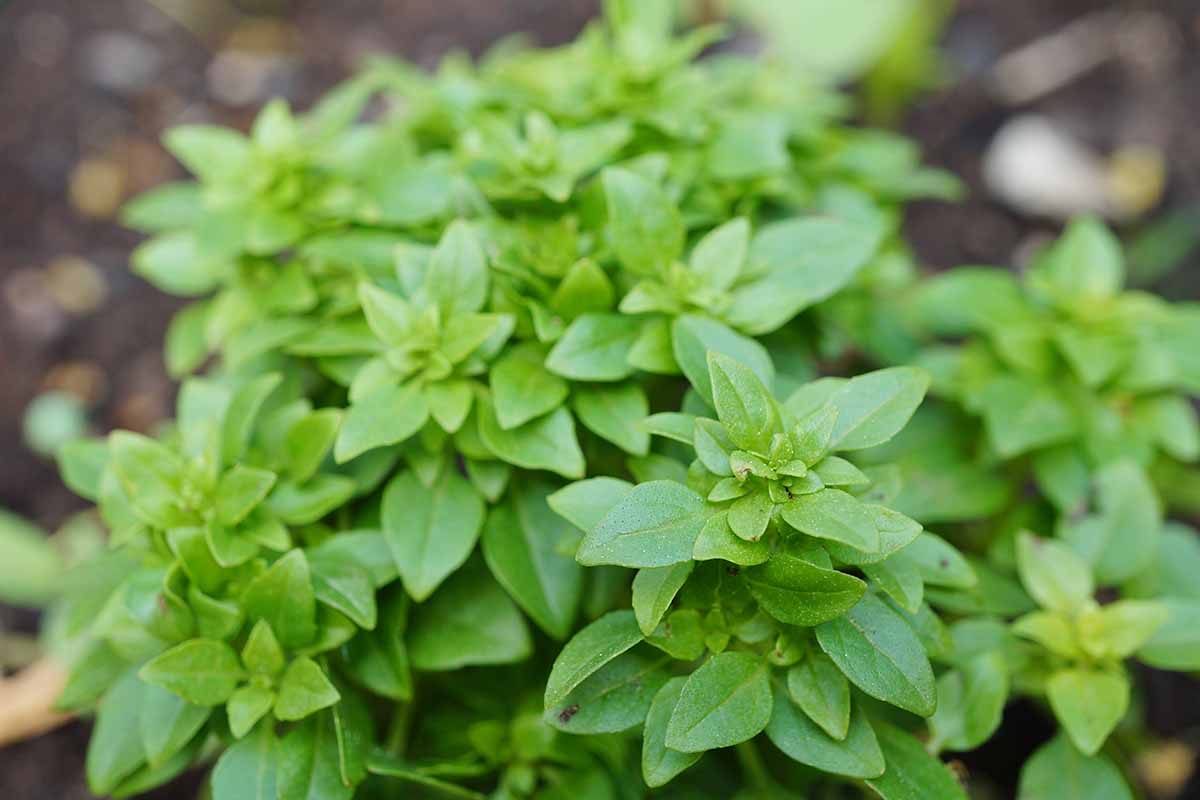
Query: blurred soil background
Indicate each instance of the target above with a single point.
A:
(87, 87)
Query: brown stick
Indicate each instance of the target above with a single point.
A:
(27, 701)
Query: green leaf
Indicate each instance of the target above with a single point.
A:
(595, 347)
(242, 412)
(796, 263)
(584, 503)
(1052, 574)
(659, 763)
(614, 698)
(303, 690)
(378, 659)
(588, 651)
(671, 425)
(644, 227)
(653, 590)
(1057, 771)
(720, 255)
(239, 491)
(306, 762)
(796, 592)
(877, 650)
(151, 476)
(115, 750)
(834, 515)
(743, 404)
(1114, 631)
(468, 621)
(856, 754)
(431, 532)
(346, 587)
(717, 540)
(167, 723)
(614, 413)
(203, 672)
(523, 547)
(246, 707)
(1175, 645)
(694, 337)
(283, 597)
(308, 502)
(450, 402)
(386, 416)
(457, 275)
(522, 388)
(724, 702)
(655, 525)
(262, 654)
(1021, 414)
(246, 771)
(1084, 266)
(309, 440)
(912, 774)
(1088, 703)
(874, 407)
(819, 688)
(547, 442)
(1122, 540)
(970, 703)
(31, 570)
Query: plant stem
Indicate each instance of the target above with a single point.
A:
(753, 766)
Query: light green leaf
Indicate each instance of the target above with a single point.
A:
(1052, 574)
(246, 771)
(584, 503)
(457, 275)
(834, 515)
(720, 255)
(874, 407)
(644, 227)
(386, 416)
(283, 597)
(303, 690)
(203, 672)
(595, 347)
(1176, 645)
(970, 703)
(694, 337)
(743, 404)
(1058, 771)
(1088, 703)
(547, 442)
(522, 388)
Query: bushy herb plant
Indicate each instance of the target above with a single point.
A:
(501, 466)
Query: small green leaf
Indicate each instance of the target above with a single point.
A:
(719, 256)
(246, 771)
(457, 275)
(239, 491)
(522, 388)
(303, 690)
(819, 688)
(283, 597)
(203, 672)
(743, 404)
(1052, 574)
(547, 442)
(970, 703)
(653, 590)
(584, 503)
(724, 702)
(167, 723)
(246, 707)
(1089, 703)
(693, 338)
(874, 407)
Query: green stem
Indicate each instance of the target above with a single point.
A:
(752, 765)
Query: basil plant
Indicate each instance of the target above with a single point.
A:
(529, 445)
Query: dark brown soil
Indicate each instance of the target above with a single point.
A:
(59, 108)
